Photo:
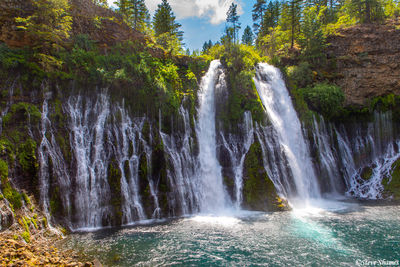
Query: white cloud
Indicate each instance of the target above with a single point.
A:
(214, 10)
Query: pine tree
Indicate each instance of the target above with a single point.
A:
(312, 39)
(207, 46)
(290, 19)
(233, 18)
(135, 13)
(248, 36)
(367, 11)
(270, 18)
(165, 27)
(258, 14)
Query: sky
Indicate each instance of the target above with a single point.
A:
(203, 20)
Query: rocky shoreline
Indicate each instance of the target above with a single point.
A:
(41, 251)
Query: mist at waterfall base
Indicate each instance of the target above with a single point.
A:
(277, 239)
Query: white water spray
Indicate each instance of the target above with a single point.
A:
(212, 191)
(279, 107)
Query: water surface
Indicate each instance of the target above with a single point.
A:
(344, 235)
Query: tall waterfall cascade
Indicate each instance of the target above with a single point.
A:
(287, 127)
(213, 196)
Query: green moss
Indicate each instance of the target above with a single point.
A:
(26, 155)
(44, 222)
(393, 187)
(3, 169)
(366, 173)
(114, 180)
(55, 202)
(26, 199)
(143, 168)
(258, 190)
(21, 112)
(26, 236)
(12, 195)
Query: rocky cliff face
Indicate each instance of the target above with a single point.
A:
(368, 61)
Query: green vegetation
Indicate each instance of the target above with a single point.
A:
(114, 180)
(48, 27)
(392, 186)
(325, 98)
(258, 190)
(12, 195)
(166, 29)
(135, 14)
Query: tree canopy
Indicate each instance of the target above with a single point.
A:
(166, 29)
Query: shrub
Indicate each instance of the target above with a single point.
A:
(325, 98)
(301, 75)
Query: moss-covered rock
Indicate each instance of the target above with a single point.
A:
(114, 180)
(392, 186)
(22, 112)
(366, 173)
(258, 190)
(12, 195)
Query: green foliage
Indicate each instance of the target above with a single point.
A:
(301, 75)
(12, 195)
(240, 60)
(312, 38)
(48, 28)
(207, 46)
(270, 17)
(258, 14)
(135, 13)
(290, 19)
(166, 29)
(325, 98)
(26, 155)
(276, 42)
(22, 111)
(366, 10)
(3, 170)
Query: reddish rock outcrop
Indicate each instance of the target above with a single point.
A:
(368, 61)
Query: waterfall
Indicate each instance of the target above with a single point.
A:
(278, 105)
(274, 159)
(127, 156)
(238, 146)
(88, 131)
(183, 165)
(372, 147)
(328, 162)
(51, 161)
(213, 196)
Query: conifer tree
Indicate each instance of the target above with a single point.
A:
(259, 9)
(166, 29)
(248, 36)
(233, 18)
(290, 18)
(135, 13)
(271, 17)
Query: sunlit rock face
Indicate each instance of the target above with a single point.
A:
(367, 61)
